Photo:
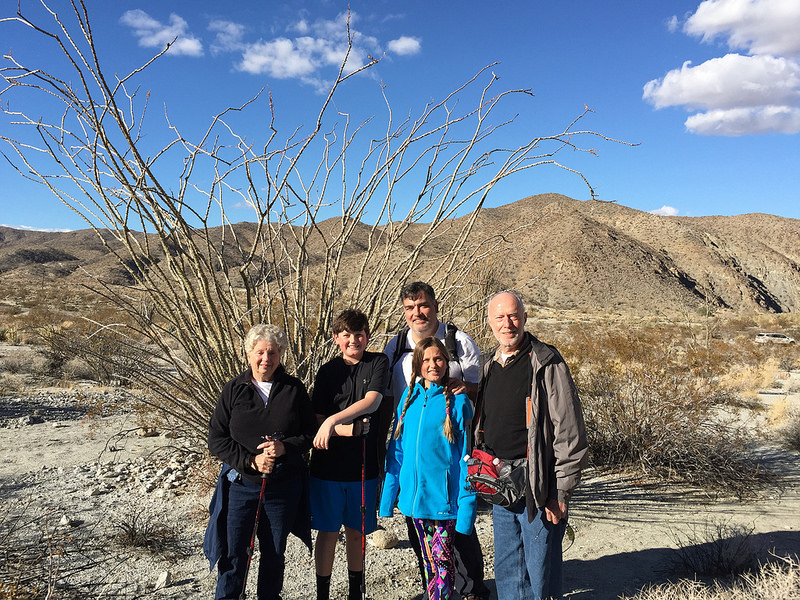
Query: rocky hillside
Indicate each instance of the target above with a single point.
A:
(558, 252)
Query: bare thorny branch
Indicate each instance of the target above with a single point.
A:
(405, 203)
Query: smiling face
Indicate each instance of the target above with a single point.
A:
(422, 315)
(433, 368)
(263, 359)
(352, 344)
(507, 319)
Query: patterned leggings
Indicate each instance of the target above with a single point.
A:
(436, 541)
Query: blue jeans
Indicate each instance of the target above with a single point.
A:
(280, 503)
(527, 556)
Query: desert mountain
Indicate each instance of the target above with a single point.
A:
(556, 251)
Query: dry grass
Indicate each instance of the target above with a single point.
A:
(142, 527)
(10, 384)
(657, 401)
(747, 379)
(778, 580)
(789, 431)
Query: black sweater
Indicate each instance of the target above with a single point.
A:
(240, 420)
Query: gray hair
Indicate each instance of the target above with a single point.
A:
(272, 334)
(519, 300)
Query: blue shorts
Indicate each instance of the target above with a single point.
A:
(337, 503)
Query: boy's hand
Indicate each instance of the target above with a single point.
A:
(324, 434)
(361, 427)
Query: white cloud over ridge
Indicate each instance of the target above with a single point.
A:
(738, 94)
(155, 34)
(665, 211)
(28, 228)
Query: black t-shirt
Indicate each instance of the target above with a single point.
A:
(504, 406)
(337, 386)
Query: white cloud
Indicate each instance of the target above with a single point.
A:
(28, 228)
(673, 24)
(155, 34)
(300, 27)
(739, 94)
(279, 58)
(665, 211)
(405, 45)
(323, 44)
(728, 82)
(756, 26)
(229, 35)
(309, 50)
(743, 121)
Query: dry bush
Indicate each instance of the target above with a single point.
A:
(789, 433)
(10, 384)
(40, 560)
(77, 369)
(777, 580)
(104, 356)
(143, 527)
(651, 401)
(26, 363)
(10, 335)
(737, 325)
(717, 548)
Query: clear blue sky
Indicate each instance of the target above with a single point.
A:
(709, 90)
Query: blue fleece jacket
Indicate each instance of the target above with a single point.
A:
(425, 472)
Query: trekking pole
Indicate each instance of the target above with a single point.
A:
(253, 536)
(264, 477)
(363, 514)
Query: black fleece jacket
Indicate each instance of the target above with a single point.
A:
(240, 420)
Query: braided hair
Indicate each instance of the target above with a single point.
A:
(416, 373)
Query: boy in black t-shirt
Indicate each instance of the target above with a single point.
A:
(346, 388)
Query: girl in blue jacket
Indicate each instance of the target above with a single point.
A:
(425, 472)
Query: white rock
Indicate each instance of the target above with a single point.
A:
(383, 538)
(164, 580)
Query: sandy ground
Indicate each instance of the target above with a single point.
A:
(625, 530)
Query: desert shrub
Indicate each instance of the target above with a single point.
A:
(745, 380)
(41, 560)
(77, 369)
(789, 433)
(788, 357)
(776, 580)
(104, 356)
(142, 527)
(652, 403)
(25, 363)
(736, 325)
(10, 384)
(10, 335)
(716, 548)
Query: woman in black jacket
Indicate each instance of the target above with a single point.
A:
(261, 427)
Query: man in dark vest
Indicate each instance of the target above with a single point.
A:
(528, 407)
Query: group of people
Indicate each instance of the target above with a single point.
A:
(433, 397)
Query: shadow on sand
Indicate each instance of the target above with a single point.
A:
(608, 577)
